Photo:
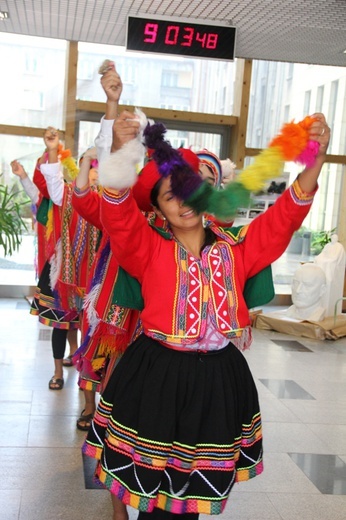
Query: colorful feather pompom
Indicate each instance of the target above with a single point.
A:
(70, 164)
(222, 203)
(291, 144)
(308, 156)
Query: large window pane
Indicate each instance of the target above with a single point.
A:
(33, 80)
(281, 92)
(159, 81)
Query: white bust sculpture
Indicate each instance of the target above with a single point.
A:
(332, 260)
(308, 290)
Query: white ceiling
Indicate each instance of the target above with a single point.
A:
(302, 31)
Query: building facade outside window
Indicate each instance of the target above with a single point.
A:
(34, 95)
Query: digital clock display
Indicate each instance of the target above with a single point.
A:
(181, 38)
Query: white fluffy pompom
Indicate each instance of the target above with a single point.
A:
(119, 170)
(228, 170)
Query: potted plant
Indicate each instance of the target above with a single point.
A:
(11, 222)
(320, 239)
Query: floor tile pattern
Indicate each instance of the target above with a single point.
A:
(302, 390)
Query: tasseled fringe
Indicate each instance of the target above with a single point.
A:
(98, 363)
(111, 339)
(112, 344)
(55, 265)
(89, 302)
(106, 341)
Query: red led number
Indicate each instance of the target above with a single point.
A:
(188, 36)
(208, 40)
(150, 31)
(212, 41)
(172, 34)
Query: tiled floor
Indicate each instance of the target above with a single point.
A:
(302, 387)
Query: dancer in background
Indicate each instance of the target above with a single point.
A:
(39, 197)
(71, 249)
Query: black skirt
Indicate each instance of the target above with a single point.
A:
(176, 430)
(45, 307)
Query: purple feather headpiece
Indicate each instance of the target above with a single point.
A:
(181, 164)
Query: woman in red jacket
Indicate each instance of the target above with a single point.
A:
(179, 421)
(71, 245)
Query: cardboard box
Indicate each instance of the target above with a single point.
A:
(329, 328)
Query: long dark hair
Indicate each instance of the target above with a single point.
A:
(154, 194)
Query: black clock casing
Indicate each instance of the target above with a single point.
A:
(183, 38)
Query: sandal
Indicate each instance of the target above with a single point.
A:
(84, 421)
(67, 361)
(56, 383)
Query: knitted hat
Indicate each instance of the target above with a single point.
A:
(150, 175)
(213, 163)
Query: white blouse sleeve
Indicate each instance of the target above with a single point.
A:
(103, 140)
(55, 181)
(30, 189)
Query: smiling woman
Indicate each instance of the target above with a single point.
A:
(182, 393)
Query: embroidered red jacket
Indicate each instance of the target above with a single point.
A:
(180, 290)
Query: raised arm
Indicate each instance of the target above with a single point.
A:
(28, 186)
(85, 201)
(272, 231)
(112, 86)
(82, 179)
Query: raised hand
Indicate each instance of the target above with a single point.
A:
(320, 132)
(125, 128)
(18, 169)
(91, 153)
(51, 138)
(111, 81)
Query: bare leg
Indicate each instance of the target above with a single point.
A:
(89, 396)
(72, 336)
(58, 370)
(57, 381)
(119, 509)
(88, 412)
